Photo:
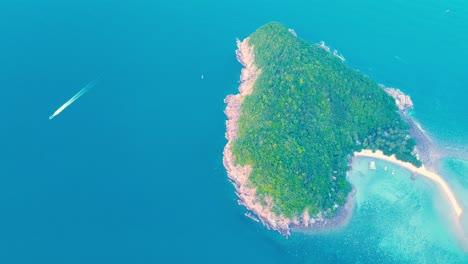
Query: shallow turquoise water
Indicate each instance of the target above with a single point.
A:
(396, 219)
(132, 172)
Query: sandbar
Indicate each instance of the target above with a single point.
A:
(420, 171)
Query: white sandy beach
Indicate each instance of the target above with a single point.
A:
(421, 171)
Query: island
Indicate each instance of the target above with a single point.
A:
(300, 117)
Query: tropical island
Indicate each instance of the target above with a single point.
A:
(300, 117)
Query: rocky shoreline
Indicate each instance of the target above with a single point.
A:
(425, 150)
(239, 174)
(428, 151)
(402, 100)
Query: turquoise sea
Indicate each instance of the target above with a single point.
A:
(132, 172)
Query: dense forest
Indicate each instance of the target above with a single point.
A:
(307, 114)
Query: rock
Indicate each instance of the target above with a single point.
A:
(402, 100)
(293, 32)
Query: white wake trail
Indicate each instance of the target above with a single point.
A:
(73, 99)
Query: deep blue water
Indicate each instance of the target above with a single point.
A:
(132, 172)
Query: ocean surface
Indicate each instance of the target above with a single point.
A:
(132, 171)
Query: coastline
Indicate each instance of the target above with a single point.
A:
(261, 209)
(426, 152)
(419, 171)
(239, 175)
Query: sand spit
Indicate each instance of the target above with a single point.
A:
(420, 171)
